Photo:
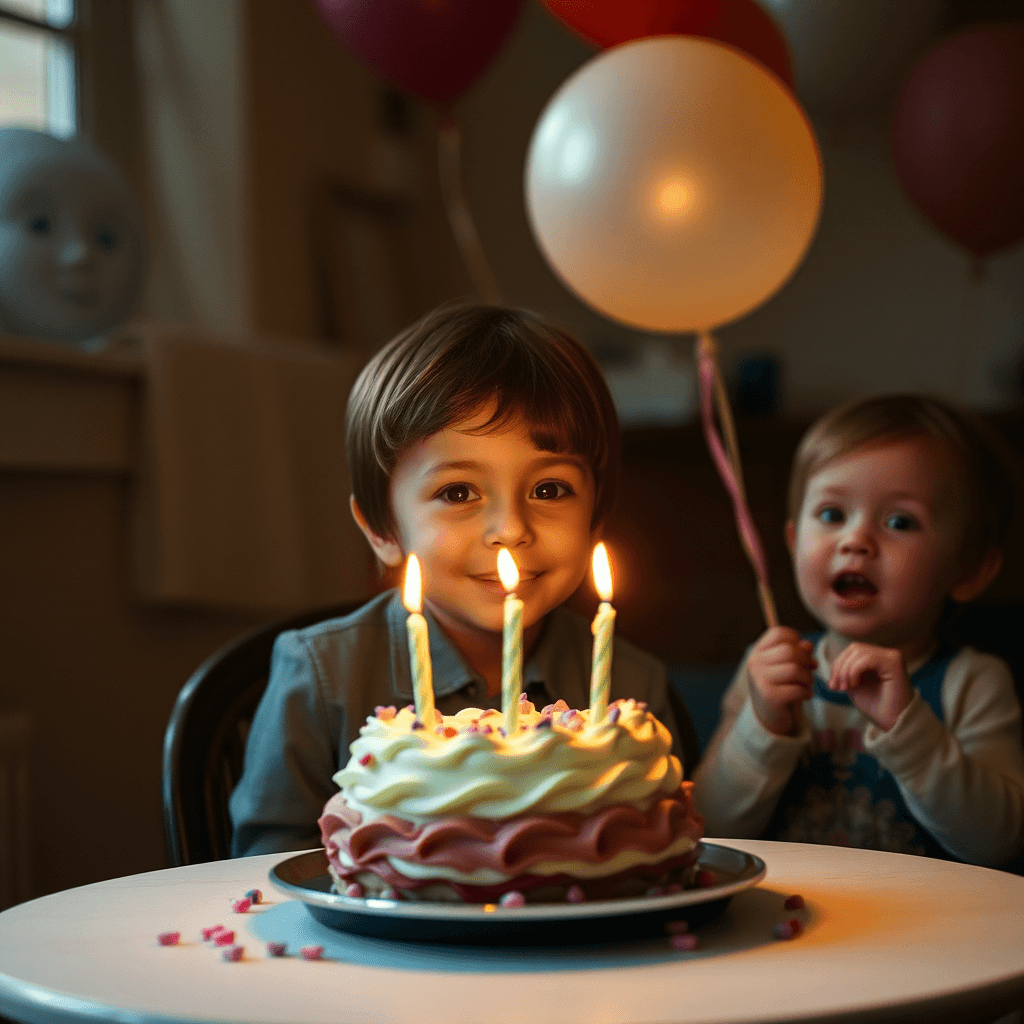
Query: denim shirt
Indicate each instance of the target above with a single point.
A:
(326, 680)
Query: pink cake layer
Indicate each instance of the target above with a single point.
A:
(512, 846)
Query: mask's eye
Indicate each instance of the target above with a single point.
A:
(551, 489)
(830, 515)
(456, 494)
(901, 521)
(40, 224)
(106, 239)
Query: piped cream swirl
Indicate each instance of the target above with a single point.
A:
(463, 766)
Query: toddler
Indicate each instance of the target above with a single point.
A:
(877, 732)
(478, 428)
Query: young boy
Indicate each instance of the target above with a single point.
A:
(877, 733)
(478, 428)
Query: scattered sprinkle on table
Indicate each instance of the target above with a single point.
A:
(169, 938)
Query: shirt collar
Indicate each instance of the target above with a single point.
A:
(450, 673)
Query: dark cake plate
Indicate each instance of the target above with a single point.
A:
(304, 877)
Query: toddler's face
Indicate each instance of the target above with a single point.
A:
(876, 544)
(460, 496)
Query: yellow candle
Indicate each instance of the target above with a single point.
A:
(602, 627)
(511, 642)
(419, 644)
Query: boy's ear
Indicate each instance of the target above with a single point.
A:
(387, 550)
(972, 585)
(791, 535)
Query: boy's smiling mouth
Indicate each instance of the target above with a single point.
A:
(492, 580)
(853, 589)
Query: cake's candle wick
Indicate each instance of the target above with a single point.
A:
(602, 627)
(511, 642)
(419, 642)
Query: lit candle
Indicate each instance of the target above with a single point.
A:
(511, 642)
(419, 643)
(604, 622)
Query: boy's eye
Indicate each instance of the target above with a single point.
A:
(901, 521)
(456, 494)
(39, 224)
(550, 489)
(830, 515)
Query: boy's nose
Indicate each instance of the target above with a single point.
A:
(508, 526)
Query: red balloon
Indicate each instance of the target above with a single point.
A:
(610, 22)
(958, 136)
(743, 24)
(434, 48)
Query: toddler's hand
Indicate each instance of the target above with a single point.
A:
(876, 680)
(781, 668)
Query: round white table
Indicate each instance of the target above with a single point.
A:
(886, 936)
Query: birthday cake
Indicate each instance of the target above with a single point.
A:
(561, 809)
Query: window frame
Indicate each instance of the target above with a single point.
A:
(70, 34)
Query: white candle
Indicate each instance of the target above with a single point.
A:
(602, 627)
(419, 644)
(511, 642)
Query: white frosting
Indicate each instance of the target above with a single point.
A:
(421, 776)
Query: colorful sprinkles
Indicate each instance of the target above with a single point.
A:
(240, 906)
(788, 929)
(233, 954)
(312, 952)
(169, 938)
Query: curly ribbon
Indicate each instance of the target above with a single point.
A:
(460, 219)
(712, 394)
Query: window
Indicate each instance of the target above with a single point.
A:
(39, 65)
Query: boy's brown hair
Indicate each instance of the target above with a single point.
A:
(454, 360)
(987, 470)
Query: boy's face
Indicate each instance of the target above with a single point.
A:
(876, 545)
(458, 497)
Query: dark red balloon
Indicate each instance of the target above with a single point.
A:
(958, 136)
(434, 48)
(740, 23)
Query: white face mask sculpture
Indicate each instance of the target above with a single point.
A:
(72, 246)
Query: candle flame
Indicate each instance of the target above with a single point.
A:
(412, 596)
(602, 572)
(508, 572)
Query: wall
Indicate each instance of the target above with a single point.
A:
(95, 668)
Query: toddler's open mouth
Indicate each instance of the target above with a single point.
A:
(852, 585)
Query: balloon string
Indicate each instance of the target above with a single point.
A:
(449, 162)
(730, 469)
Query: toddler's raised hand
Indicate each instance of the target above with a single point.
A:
(781, 667)
(876, 680)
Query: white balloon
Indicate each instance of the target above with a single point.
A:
(673, 183)
(852, 54)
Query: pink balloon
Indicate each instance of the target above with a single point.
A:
(434, 48)
(958, 136)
